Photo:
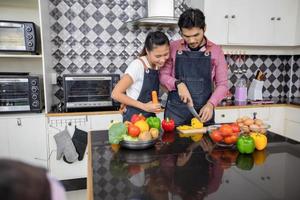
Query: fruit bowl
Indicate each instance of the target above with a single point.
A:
(224, 135)
(138, 144)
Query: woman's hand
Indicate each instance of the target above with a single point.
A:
(184, 94)
(152, 107)
(206, 112)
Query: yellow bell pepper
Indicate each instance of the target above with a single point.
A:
(260, 140)
(196, 123)
(143, 125)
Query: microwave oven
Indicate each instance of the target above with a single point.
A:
(20, 93)
(17, 36)
(89, 92)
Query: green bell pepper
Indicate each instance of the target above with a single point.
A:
(153, 122)
(245, 144)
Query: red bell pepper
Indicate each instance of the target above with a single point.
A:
(137, 117)
(168, 124)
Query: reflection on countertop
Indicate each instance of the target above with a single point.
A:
(182, 168)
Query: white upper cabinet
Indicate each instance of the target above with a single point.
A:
(252, 22)
(216, 18)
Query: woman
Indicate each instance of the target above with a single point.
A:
(141, 78)
(21, 181)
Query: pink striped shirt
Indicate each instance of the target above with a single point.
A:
(218, 75)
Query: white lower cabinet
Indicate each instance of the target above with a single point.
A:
(24, 138)
(226, 115)
(292, 130)
(4, 143)
(59, 168)
(276, 120)
(102, 122)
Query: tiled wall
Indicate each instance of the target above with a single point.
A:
(89, 36)
(277, 68)
(295, 77)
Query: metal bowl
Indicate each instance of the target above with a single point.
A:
(138, 144)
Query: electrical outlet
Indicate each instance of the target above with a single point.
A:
(53, 79)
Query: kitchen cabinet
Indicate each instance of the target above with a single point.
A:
(59, 168)
(32, 11)
(277, 120)
(4, 143)
(252, 22)
(226, 115)
(24, 138)
(261, 113)
(292, 123)
(102, 122)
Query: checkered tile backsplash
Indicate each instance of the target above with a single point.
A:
(89, 36)
(282, 73)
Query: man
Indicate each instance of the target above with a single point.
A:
(195, 68)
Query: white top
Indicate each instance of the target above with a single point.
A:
(136, 71)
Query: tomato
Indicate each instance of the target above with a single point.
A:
(216, 136)
(230, 139)
(235, 128)
(226, 130)
(134, 169)
(133, 130)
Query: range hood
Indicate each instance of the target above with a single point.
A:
(160, 13)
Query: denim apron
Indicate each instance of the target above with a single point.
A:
(150, 83)
(194, 69)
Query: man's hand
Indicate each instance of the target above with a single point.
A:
(184, 94)
(206, 112)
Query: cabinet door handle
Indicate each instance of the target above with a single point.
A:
(278, 18)
(226, 16)
(19, 122)
(233, 16)
(223, 115)
(272, 18)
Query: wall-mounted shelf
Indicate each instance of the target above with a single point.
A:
(19, 56)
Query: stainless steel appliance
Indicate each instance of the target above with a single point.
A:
(20, 93)
(17, 36)
(89, 92)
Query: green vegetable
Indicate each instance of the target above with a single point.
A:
(245, 144)
(153, 122)
(116, 133)
(129, 138)
(245, 161)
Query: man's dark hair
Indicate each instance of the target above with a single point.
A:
(191, 18)
(153, 40)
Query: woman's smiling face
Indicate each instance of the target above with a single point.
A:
(159, 55)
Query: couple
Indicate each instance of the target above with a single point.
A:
(193, 70)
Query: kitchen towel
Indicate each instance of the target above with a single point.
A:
(65, 146)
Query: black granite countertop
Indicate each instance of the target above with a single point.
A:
(194, 168)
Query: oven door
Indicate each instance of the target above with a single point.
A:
(87, 92)
(12, 37)
(14, 94)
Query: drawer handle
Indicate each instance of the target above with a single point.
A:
(223, 115)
